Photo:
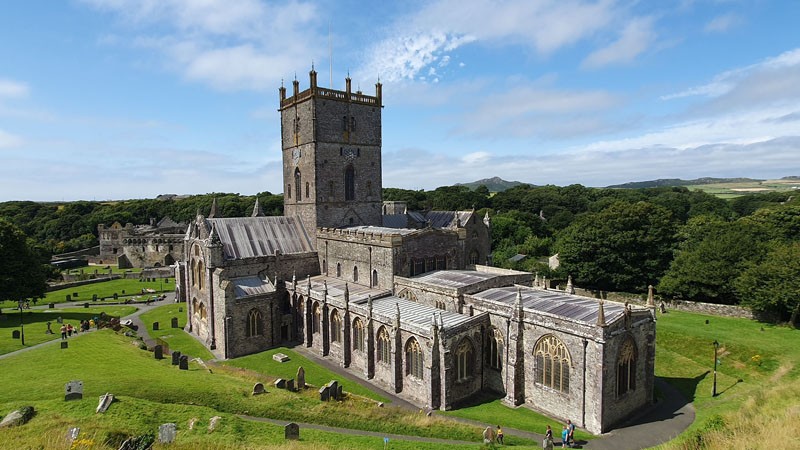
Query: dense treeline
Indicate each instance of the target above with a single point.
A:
(688, 244)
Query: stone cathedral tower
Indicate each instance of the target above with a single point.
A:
(331, 143)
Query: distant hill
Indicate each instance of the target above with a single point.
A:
(679, 182)
(495, 184)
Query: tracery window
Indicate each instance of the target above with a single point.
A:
(440, 305)
(315, 318)
(464, 357)
(194, 273)
(203, 312)
(414, 359)
(626, 367)
(358, 335)
(494, 350)
(474, 257)
(552, 363)
(383, 351)
(349, 183)
(255, 326)
(201, 275)
(336, 327)
(297, 184)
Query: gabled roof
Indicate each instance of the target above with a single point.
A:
(454, 278)
(444, 219)
(557, 303)
(253, 285)
(248, 237)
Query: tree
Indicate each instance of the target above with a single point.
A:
(21, 272)
(624, 247)
(772, 286)
(712, 255)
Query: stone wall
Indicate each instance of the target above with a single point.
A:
(71, 284)
(713, 309)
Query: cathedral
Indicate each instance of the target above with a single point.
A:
(402, 299)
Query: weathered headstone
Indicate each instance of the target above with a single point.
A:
(105, 401)
(73, 390)
(280, 383)
(290, 384)
(301, 378)
(74, 294)
(176, 358)
(59, 319)
(51, 305)
(85, 305)
(333, 385)
(158, 352)
(15, 334)
(69, 298)
(339, 392)
(64, 344)
(324, 394)
(291, 431)
(174, 323)
(213, 423)
(166, 433)
(184, 363)
(488, 435)
(17, 417)
(94, 297)
(180, 309)
(280, 357)
(155, 326)
(192, 422)
(72, 434)
(258, 389)
(49, 330)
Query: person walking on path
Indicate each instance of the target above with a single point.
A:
(499, 435)
(63, 332)
(548, 439)
(564, 434)
(570, 433)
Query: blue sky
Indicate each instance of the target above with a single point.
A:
(115, 99)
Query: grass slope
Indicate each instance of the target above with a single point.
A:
(176, 338)
(124, 288)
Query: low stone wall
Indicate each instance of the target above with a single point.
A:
(71, 284)
(713, 309)
(91, 251)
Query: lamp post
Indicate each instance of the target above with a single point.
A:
(714, 388)
(21, 327)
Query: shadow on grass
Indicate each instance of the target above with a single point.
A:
(687, 386)
(478, 399)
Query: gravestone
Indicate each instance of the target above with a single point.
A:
(213, 423)
(184, 363)
(290, 384)
(94, 297)
(49, 331)
(116, 296)
(64, 344)
(324, 394)
(69, 298)
(15, 334)
(51, 305)
(339, 392)
(280, 357)
(74, 294)
(85, 305)
(180, 309)
(105, 401)
(73, 390)
(72, 434)
(333, 385)
(291, 431)
(301, 378)
(192, 422)
(176, 358)
(166, 433)
(155, 326)
(158, 352)
(18, 417)
(174, 322)
(280, 383)
(488, 435)
(258, 389)
(59, 319)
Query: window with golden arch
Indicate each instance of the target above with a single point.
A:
(383, 348)
(201, 271)
(464, 359)
(358, 335)
(336, 326)
(626, 367)
(315, 313)
(255, 324)
(414, 359)
(494, 349)
(203, 312)
(552, 363)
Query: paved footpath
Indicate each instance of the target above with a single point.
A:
(661, 423)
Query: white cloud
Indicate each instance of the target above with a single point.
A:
(721, 24)
(634, 39)
(12, 89)
(8, 140)
(476, 157)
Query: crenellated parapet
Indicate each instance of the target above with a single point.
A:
(329, 94)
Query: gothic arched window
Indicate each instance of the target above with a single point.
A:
(339, 270)
(626, 367)
(414, 359)
(201, 275)
(374, 278)
(552, 363)
(383, 350)
(464, 359)
(307, 189)
(336, 327)
(315, 318)
(349, 183)
(298, 180)
(474, 257)
(358, 335)
(494, 350)
(355, 274)
(255, 326)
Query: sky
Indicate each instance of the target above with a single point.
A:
(120, 99)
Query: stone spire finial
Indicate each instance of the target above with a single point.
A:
(441, 321)
(601, 315)
(536, 279)
(294, 280)
(544, 283)
(519, 299)
(308, 286)
(397, 317)
(213, 237)
(214, 210)
(369, 304)
(570, 287)
(651, 301)
(257, 211)
(346, 295)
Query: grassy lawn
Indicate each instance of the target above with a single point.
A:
(315, 374)
(176, 338)
(124, 288)
(152, 392)
(35, 323)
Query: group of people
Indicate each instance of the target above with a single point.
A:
(67, 329)
(567, 436)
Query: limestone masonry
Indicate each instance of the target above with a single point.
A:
(402, 299)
